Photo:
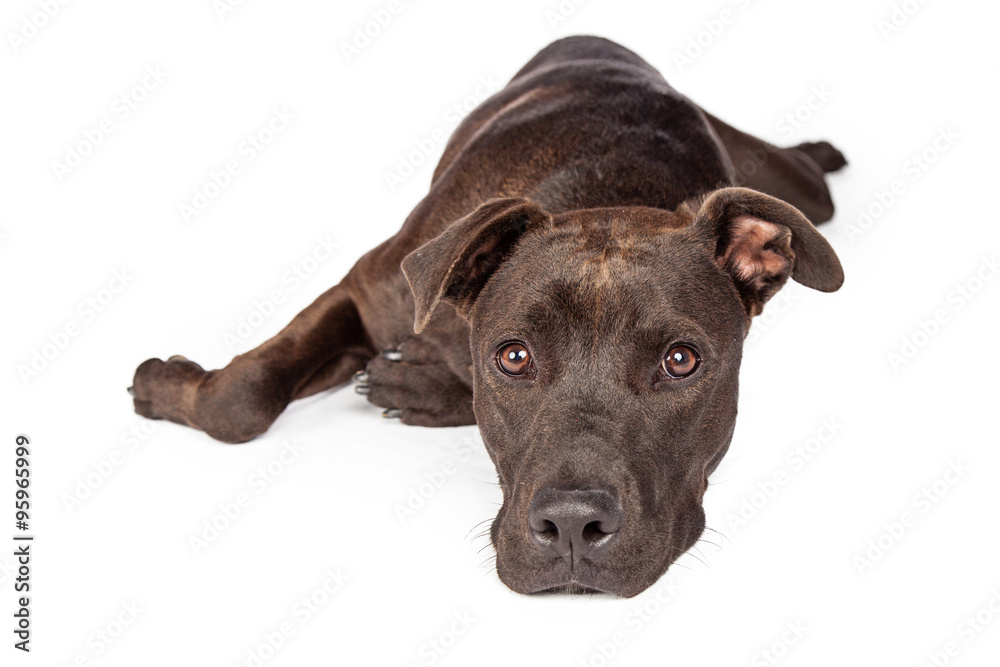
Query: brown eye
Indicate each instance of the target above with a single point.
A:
(513, 359)
(680, 361)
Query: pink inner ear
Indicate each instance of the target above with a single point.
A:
(752, 253)
(481, 259)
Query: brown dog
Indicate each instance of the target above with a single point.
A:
(579, 282)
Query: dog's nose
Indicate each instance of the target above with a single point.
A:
(574, 524)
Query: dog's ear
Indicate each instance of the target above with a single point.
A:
(760, 241)
(455, 265)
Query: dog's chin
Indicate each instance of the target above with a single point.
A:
(557, 578)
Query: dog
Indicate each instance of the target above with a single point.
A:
(578, 282)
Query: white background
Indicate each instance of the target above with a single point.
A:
(883, 99)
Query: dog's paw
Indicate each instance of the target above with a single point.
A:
(158, 386)
(415, 391)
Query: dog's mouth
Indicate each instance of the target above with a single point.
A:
(571, 589)
(562, 576)
(623, 576)
(559, 577)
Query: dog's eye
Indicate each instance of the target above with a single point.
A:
(680, 361)
(513, 359)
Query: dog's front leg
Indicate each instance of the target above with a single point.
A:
(322, 347)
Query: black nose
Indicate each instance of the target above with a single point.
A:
(574, 524)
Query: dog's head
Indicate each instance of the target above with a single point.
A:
(606, 348)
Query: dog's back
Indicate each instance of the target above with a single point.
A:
(585, 124)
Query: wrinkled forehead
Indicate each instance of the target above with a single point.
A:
(607, 275)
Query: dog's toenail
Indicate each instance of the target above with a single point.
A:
(392, 355)
(131, 391)
(361, 377)
(392, 413)
(362, 389)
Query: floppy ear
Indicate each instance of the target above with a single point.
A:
(455, 265)
(761, 241)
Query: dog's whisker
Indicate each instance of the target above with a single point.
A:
(725, 538)
(488, 565)
(698, 555)
(475, 527)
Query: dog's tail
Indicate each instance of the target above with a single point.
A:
(824, 154)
